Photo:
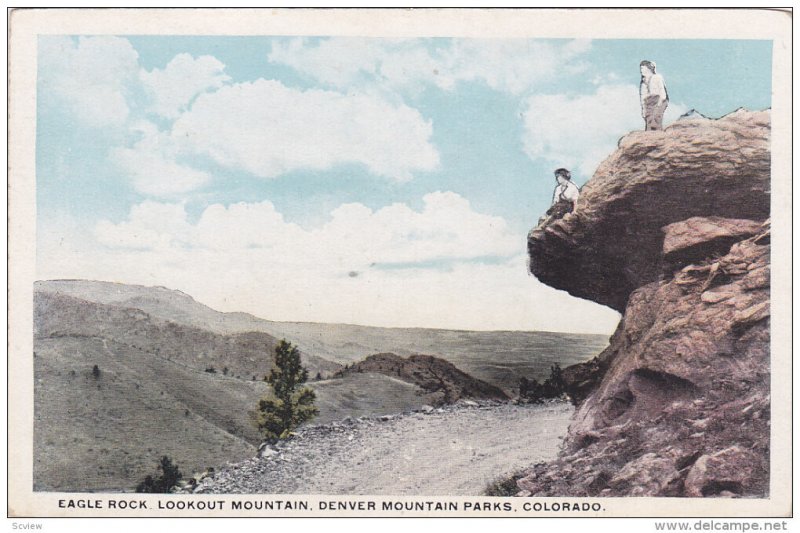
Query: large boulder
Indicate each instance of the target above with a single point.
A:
(699, 237)
(696, 167)
(729, 470)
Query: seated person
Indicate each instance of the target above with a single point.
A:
(565, 195)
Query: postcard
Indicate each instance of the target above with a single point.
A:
(400, 263)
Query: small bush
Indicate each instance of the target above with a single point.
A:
(503, 487)
(170, 475)
(553, 387)
(211, 370)
(557, 377)
(96, 372)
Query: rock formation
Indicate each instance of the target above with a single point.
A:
(696, 167)
(673, 231)
(432, 374)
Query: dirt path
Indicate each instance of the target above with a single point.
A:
(454, 451)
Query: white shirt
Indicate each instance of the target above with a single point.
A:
(654, 86)
(566, 191)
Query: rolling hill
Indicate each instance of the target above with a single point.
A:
(442, 379)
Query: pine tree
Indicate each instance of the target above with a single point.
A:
(292, 404)
(170, 475)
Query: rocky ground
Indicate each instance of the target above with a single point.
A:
(455, 450)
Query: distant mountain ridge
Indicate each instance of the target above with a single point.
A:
(244, 354)
(497, 357)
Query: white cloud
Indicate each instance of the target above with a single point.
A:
(89, 76)
(150, 226)
(578, 132)
(151, 164)
(98, 81)
(173, 87)
(510, 65)
(246, 257)
(263, 127)
(356, 236)
(335, 61)
(446, 228)
(269, 129)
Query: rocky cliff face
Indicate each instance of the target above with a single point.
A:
(673, 231)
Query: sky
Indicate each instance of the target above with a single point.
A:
(329, 179)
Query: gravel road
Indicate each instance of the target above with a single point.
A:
(456, 450)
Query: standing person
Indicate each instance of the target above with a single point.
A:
(653, 96)
(565, 195)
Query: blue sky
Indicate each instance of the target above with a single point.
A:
(385, 182)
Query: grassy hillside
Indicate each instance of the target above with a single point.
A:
(151, 394)
(366, 394)
(107, 432)
(245, 355)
